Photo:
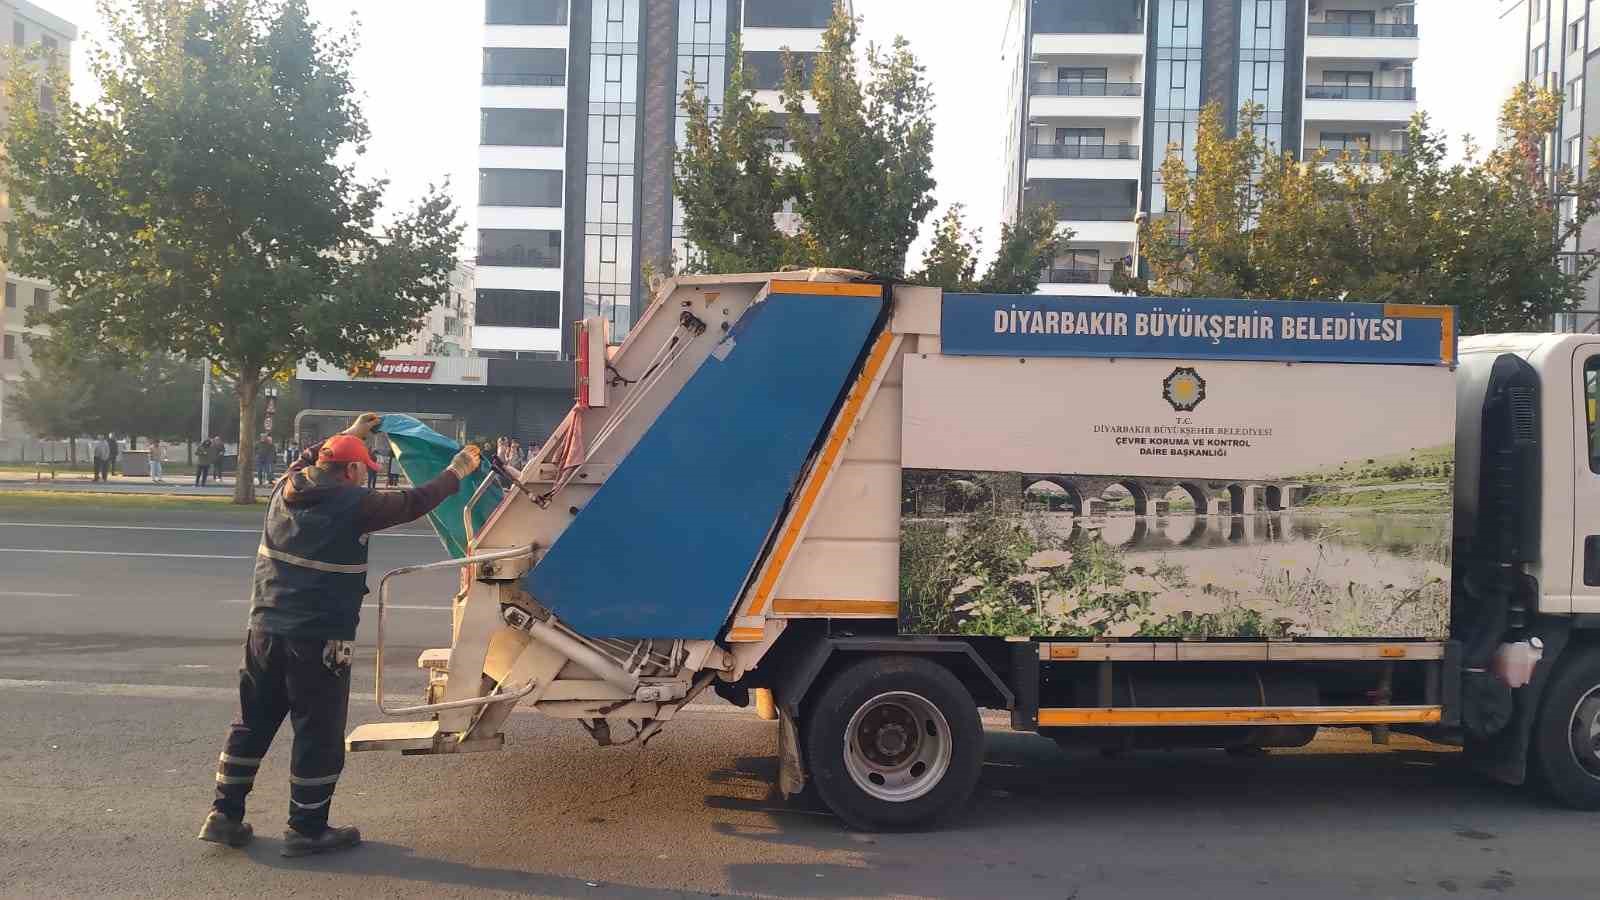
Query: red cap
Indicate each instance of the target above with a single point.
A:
(346, 448)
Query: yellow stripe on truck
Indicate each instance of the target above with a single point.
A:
(830, 457)
(1271, 715)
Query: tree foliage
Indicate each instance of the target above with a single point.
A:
(1481, 234)
(1027, 247)
(861, 185)
(207, 206)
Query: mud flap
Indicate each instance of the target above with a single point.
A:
(791, 765)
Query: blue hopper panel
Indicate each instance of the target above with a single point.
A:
(665, 545)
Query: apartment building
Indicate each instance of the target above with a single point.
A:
(1548, 42)
(30, 28)
(1102, 88)
(581, 116)
(447, 332)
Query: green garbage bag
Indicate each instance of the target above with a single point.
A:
(422, 454)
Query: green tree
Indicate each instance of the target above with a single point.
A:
(862, 186)
(207, 206)
(1483, 234)
(1027, 248)
(728, 179)
(865, 180)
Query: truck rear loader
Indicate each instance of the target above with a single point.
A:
(1126, 522)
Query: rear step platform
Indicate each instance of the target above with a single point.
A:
(416, 739)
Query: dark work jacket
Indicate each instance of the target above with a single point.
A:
(311, 568)
(310, 575)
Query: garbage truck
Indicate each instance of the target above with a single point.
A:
(1126, 522)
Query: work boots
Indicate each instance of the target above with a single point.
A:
(331, 838)
(219, 829)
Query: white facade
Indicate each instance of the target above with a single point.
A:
(521, 322)
(448, 330)
(26, 28)
(1080, 127)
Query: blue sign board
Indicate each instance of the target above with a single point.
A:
(1281, 330)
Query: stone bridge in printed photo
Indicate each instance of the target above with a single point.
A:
(1092, 496)
(1085, 495)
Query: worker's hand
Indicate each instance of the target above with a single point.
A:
(467, 461)
(364, 425)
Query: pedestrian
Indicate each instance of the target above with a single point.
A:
(514, 456)
(391, 477)
(158, 453)
(372, 473)
(102, 457)
(310, 579)
(264, 455)
(111, 455)
(219, 454)
(202, 463)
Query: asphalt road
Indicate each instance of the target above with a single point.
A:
(116, 681)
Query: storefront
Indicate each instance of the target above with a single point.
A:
(524, 399)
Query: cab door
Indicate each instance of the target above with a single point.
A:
(1585, 535)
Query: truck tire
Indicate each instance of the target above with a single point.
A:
(893, 742)
(1566, 737)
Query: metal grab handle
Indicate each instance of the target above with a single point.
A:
(383, 599)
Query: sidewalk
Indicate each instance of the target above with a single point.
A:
(83, 482)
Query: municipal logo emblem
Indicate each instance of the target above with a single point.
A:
(1184, 389)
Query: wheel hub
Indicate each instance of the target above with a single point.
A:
(1584, 733)
(897, 746)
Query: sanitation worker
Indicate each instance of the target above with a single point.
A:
(310, 578)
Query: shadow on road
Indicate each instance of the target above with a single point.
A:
(380, 859)
(1032, 793)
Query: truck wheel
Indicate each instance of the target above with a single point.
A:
(893, 742)
(1567, 735)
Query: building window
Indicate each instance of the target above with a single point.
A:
(764, 68)
(49, 43)
(41, 299)
(787, 13)
(519, 309)
(519, 187)
(524, 66)
(1575, 36)
(535, 248)
(611, 130)
(523, 127)
(1080, 137)
(10, 346)
(608, 188)
(527, 12)
(11, 295)
(1536, 61)
(1575, 153)
(1538, 9)
(1080, 82)
(1575, 94)
(614, 11)
(19, 36)
(1345, 140)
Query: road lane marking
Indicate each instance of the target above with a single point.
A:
(36, 594)
(93, 689)
(368, 605)
(120, 553)
(406, 534)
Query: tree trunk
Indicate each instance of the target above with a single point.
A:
(247, 387)
(72, 451)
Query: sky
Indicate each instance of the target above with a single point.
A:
(420, 60)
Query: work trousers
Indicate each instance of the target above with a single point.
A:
(102, 469)
(308, 681)
(201, 473)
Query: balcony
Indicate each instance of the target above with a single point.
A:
(1088, 35)
(1360, 29)
(1097, 161)
(1359, 103)
(1332, 155)
(1108, 224)
(1361, 40)
(1075, 276)
(524, 79)
(1086, 99)
(1083, 151)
